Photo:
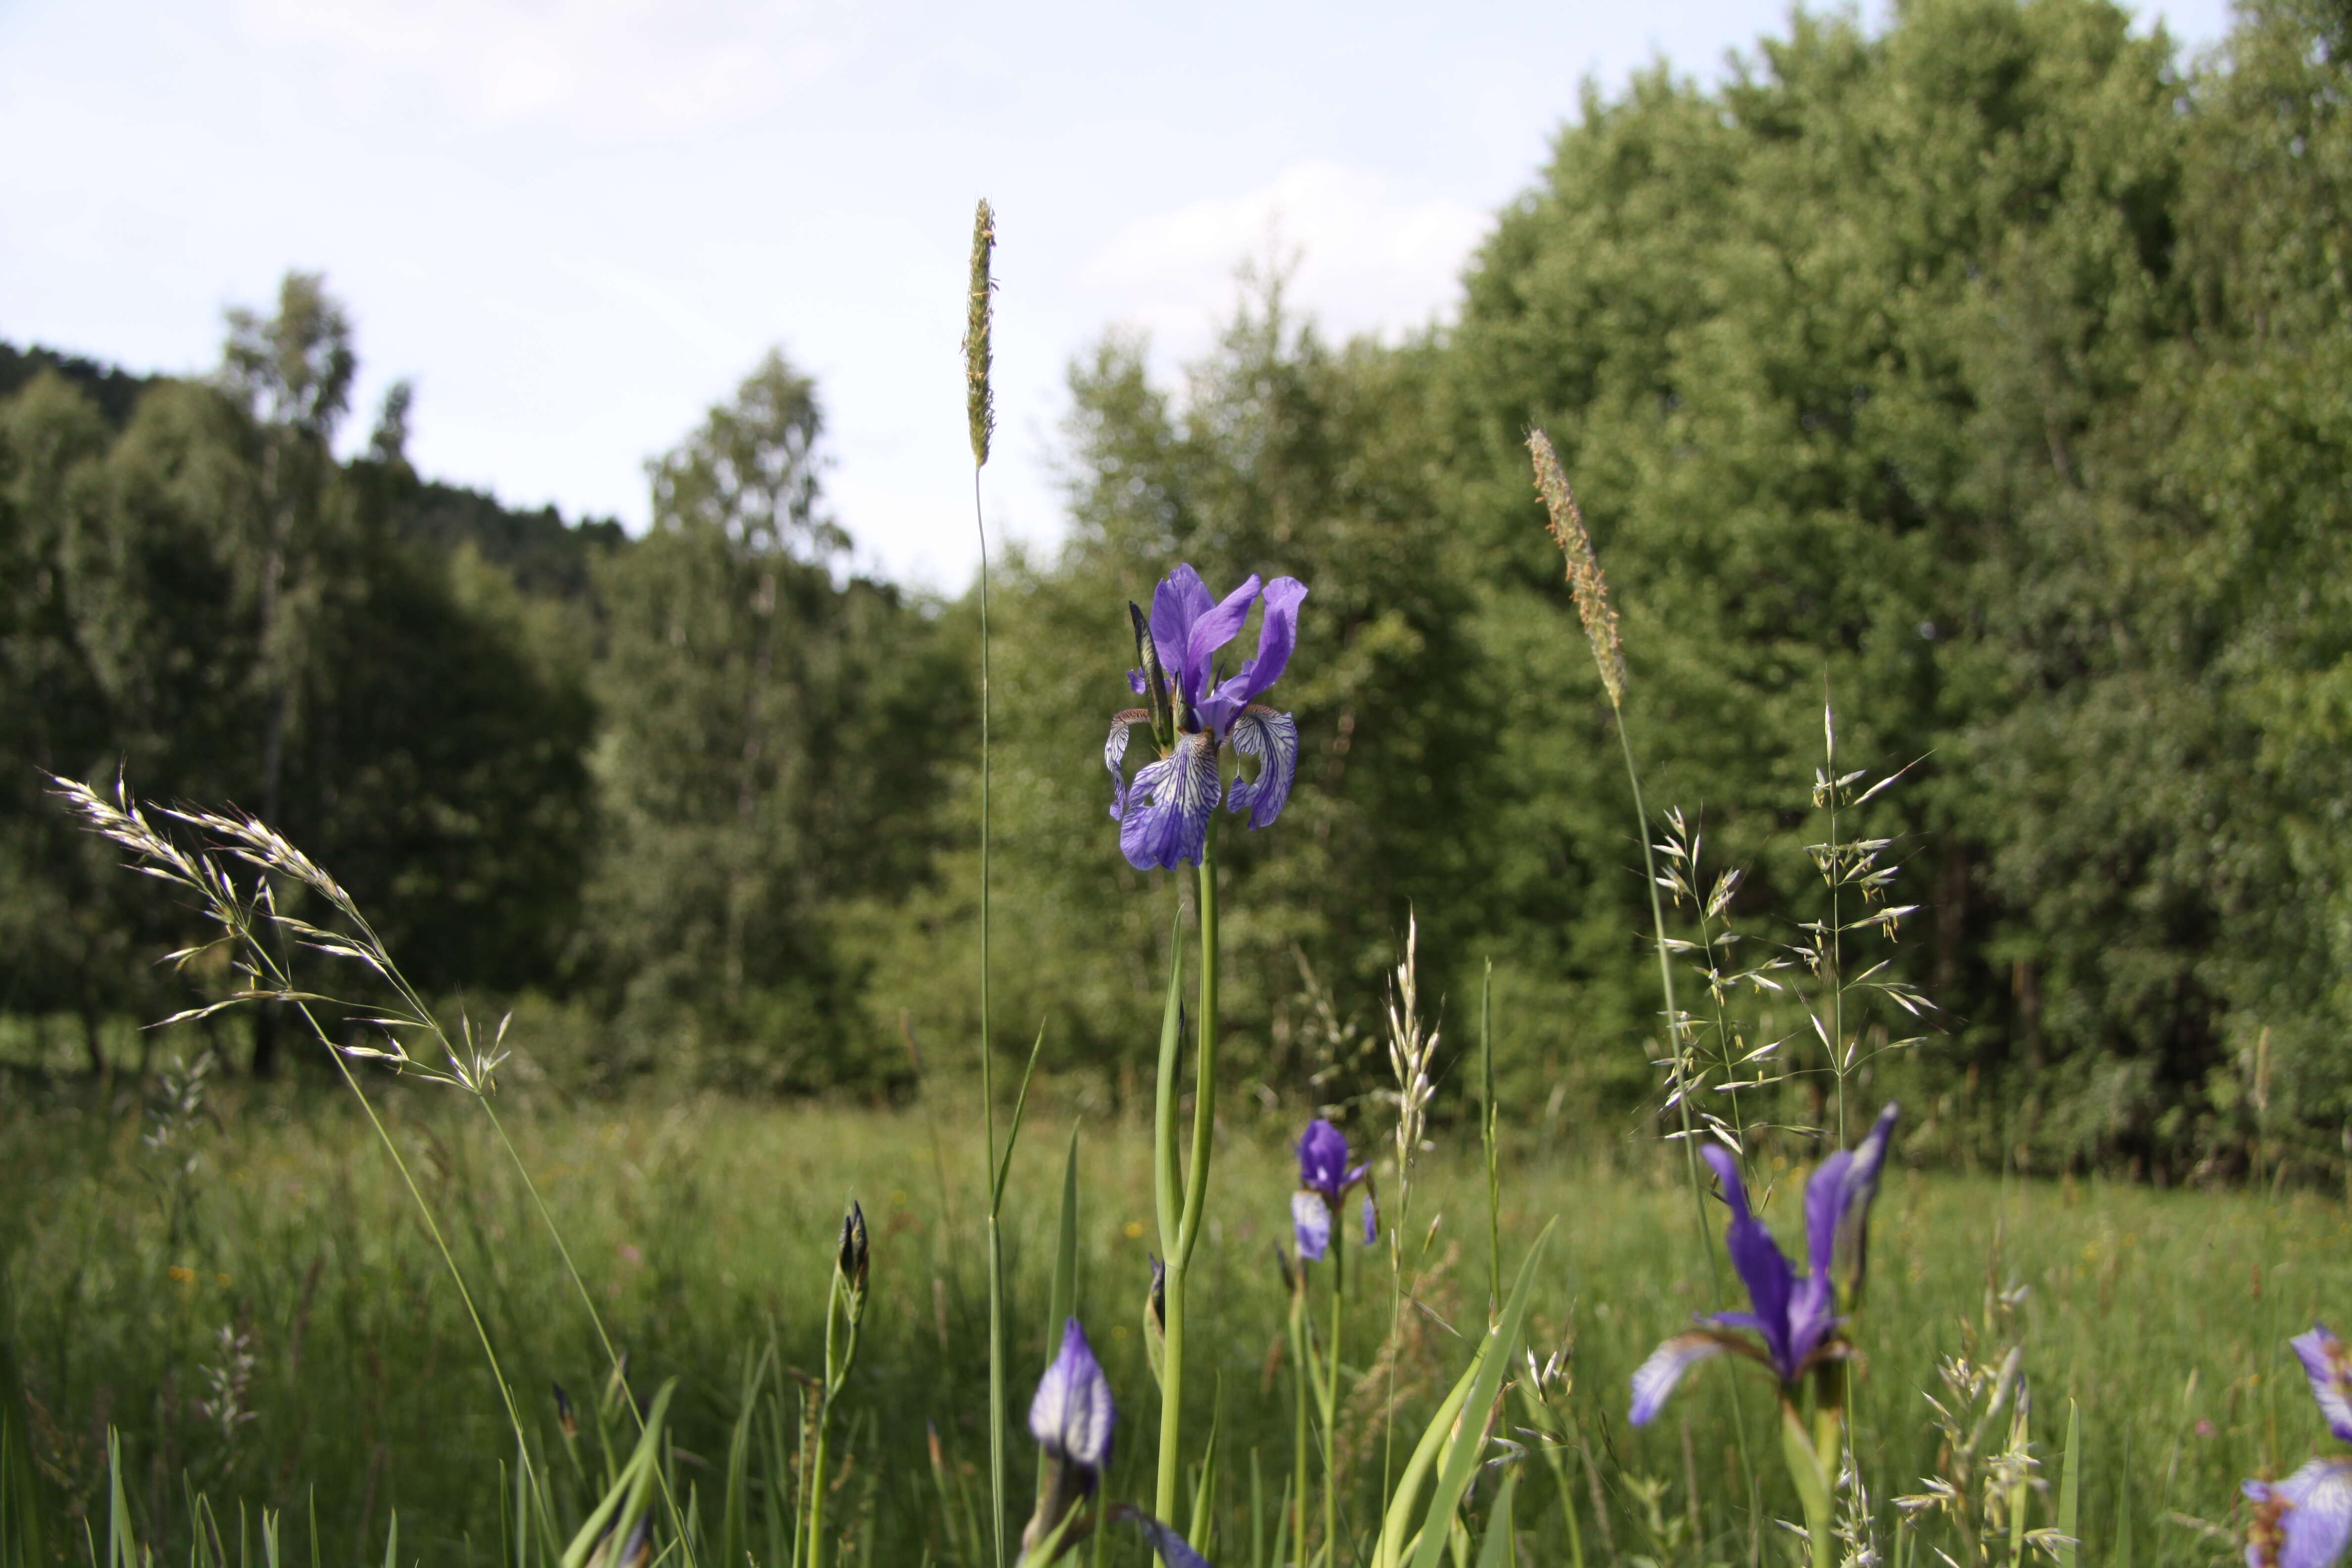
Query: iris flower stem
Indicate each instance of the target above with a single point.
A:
(1196, 1189)
(1299, 1435)
(1690, 1145)
(1332, 1397)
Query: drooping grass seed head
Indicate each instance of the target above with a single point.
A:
(1585, 583)
(980, 313)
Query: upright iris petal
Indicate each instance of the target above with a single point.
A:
(2328, 1365)
(1796, 1319)
(1071, 1415)
(1324, 1178)
(1163, 813)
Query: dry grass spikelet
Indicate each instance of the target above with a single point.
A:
(980, 309)
(1585, 583)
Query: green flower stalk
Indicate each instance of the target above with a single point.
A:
(845, 1314)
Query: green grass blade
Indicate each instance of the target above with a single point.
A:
(1013, 1132)
(2122, 1556)
(121, 1541)
(1202, 1530)
(1064, 1301)
(1167, 1179)
(1463, 1451)
(2070, 1494)
(1500, 1550)
(392, 1541)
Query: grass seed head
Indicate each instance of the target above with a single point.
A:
(1585, 583)
(980, 311)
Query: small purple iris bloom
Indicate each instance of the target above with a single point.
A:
(2304, 1521)
(1196, 709)
(1174, 1549)
(1324, 1178)
(1071, 1417)
(1796, 1319)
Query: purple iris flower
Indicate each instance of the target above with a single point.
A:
(1071, 1417)
(1324, 1178)
(2304, 1521)
(1196, 709)
(1796, 1321)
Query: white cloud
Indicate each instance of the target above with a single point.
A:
(589, 63)
(1367, 257)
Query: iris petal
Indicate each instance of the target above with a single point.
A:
(1114, 756)
(2325, 1360)
(1311, 1217)
(2304, 1521)
(1212, 631)
(1657, 1377)
(1323, 1158)
(1180, 599)
(1273, 739)
(1277, 633)
(1761, 1265)
(1169, 827)
(1174, 1549)
(1071, 1415)
(1850, 1258)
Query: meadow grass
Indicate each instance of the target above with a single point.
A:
(269, 1325)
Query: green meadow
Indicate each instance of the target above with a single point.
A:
(272, 1228)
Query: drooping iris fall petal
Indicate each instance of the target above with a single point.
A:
(1311, 1223)
(2303, 1521)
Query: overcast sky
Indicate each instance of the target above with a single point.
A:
(576, 224)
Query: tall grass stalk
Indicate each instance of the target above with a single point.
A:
(244, 918)
(1590, 589)
(979, 409)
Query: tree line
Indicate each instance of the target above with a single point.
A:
(1980, 377)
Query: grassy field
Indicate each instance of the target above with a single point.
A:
(256, 1308)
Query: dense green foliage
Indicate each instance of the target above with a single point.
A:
(1984, 375)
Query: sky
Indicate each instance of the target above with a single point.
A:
(575, 224)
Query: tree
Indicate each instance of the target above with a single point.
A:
(754, 765)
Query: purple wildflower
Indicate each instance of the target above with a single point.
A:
(1796, 1321)
(1071, 1417)
(1172, 1548)
(1163, 814)
(2304, 1521)
(1324, 1178)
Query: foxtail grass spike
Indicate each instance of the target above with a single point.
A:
(979, 312)
(1589, 588)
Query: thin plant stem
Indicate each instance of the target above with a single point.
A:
(1837, 936)
(1690, 1145)
(1298, 1433)
(996, 1400)
(1331, 1396)
(1196, 1189)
